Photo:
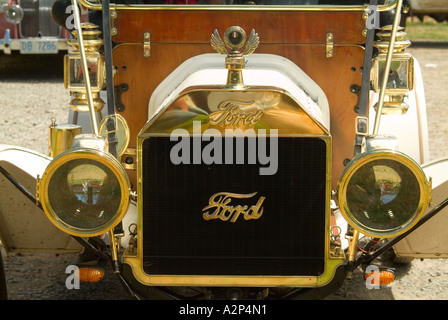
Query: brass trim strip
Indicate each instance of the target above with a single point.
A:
(360, 8)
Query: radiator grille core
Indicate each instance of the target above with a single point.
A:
(288, 239)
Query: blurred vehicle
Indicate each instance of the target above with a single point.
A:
(437, 9)
(26, 26)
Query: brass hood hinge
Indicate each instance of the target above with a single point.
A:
(147, 44)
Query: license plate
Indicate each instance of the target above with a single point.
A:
(38, 47)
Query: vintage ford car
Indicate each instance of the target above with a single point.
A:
(233, 150)
(26, 26)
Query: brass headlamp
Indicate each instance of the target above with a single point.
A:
(73, 71)
(401, 71)
(84, 191)
(382, 192)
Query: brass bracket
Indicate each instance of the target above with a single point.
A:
(113, 16)
(329, 45)
(118, 90)
(362, 126)
(146, 44)
(129, 159)
(365, 11)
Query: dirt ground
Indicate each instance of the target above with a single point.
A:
(25, 122)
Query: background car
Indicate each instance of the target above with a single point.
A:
(437, 9)
(26, 26)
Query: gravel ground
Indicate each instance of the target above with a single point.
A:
(32, 92)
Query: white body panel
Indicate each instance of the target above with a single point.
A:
(411, 128)
(23, 226)
(431, 239)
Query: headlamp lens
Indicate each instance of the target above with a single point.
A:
(383, 195)
(85, 193)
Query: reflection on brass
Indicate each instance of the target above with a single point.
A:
(61, 136)
(221, 109)
(380, 142)
(393, 105)
(229, 113)
(90, 141)
(224, 211)
(79, 102)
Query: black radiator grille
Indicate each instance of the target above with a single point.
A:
(287, 239)
(37, 20)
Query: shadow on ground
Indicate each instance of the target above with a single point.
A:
(32, 67)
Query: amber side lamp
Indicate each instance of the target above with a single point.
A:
(87, 274)
(381, 277)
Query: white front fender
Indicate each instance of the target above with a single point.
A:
(24, 227)
(430, 240)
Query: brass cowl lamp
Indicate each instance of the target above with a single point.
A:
(401, 71)
(73, 73)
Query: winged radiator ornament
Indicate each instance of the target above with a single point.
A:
(234, 38)
(218, 44)
(252, 43)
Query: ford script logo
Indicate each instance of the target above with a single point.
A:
(229, 113)
(224, 210)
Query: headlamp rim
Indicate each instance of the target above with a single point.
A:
(382, 154)
(84, 153)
